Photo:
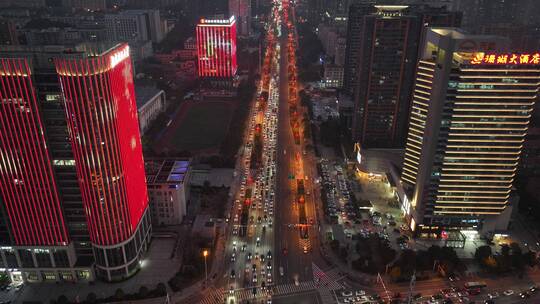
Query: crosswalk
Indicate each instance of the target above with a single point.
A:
(323, 281)
(327, 278)
(214, 296)
(293, 288)
(247, 294)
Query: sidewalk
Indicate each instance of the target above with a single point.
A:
(158, 266)
(200, 289)
(344, 268)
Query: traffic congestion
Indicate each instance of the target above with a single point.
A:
(250, 247)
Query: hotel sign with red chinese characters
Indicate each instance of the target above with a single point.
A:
(506, 59)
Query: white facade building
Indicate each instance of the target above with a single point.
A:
(168, 190)
(150, 103)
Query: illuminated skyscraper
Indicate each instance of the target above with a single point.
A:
(471, 107)
(381, 55)
(74, 190)
(216, 48)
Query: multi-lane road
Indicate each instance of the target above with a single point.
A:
(267, 248)
(249, 256)
(296, 263)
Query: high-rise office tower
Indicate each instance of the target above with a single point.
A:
(74, 190)
(471, 108)
(135, 25)
(381, 54)
(355, 35)
(478, 13)
(93, 5)
(216, 48)
(241, 10)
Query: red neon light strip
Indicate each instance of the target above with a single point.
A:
(109, 157)
(112, 150)
(33, 207)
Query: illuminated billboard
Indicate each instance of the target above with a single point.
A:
(506, 59)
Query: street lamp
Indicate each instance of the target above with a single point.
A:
(205, 254)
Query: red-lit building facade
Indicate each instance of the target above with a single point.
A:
(216, 48)
(27, 185)
(74, 190)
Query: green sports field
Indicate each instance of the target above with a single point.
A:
(203, 126)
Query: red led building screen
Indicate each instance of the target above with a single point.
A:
(102, 117)
(27, 184)
(216, 48)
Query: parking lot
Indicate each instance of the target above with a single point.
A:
(10, 292)
(360, 205)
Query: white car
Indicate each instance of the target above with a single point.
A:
(360, 293)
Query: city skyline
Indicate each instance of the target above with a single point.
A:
(269, 151)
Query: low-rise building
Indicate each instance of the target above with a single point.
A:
(150, 103)
(333, 76)
(190, 44)
(168, 189)
(140, 50)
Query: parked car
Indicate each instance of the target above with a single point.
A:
(508, 292)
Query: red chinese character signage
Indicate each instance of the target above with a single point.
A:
(506, 59)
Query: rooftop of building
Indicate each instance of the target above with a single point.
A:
(459, 33)
(216, 21)
(456, 33)
(40, 55)
(379, 161)
(76, 50)
(144, 93)
(217, 177)
(383, 7)
(168, 171)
